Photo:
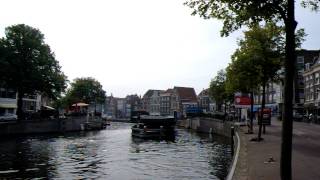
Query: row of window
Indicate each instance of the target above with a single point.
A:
(310, 77)
(7, 93)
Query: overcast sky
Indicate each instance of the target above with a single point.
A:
(131, 46)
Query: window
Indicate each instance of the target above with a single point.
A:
(2, 111)
(300, 59)
(10, 111)
(7, 93)
(307, 66)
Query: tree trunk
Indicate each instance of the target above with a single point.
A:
(251, 112)
(262, 107)
(19, 108)
(225, 110)
(286, 144)
(220, 107)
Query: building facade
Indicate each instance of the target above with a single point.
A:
(151, 101)
(273, 98)
(205, 102)
(305, 59)
(186, 99)
(168, 102)
(8, 101)
(311, 77)
(135, 102)
(121, 107)
(303, 94)
(110, 108)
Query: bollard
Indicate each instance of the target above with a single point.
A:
(232, 141)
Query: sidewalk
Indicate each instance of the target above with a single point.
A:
(254, 162)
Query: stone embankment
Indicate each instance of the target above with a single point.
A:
(51, 125)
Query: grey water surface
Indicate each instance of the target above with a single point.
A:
(113, 154)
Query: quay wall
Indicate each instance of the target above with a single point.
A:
(208, 125)
(44, 126)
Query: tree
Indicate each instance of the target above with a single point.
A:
(241, 76)
(238, 13)
(261, 51)
(30, 65)
(87, 90)
(217, 90)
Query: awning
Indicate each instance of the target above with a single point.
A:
(48, 107)
(272, 106)
(3, 105)
(80, 104)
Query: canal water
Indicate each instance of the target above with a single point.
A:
(113, 154)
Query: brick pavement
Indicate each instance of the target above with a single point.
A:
(255, 161)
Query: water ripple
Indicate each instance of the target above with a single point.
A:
(114, 154)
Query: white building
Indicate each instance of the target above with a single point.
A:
(8, 102)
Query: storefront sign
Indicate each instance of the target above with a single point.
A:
(242, 102)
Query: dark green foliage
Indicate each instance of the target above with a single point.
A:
(238, 13)
(217, 89)
(28, 65)
(256, 61)
(87, 90)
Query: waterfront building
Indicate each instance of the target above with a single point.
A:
(151, 101)
(30, 103)
(305, 59)
(186, 98)
(110, 107)
(274, 91)
(121, 107)
(8, 101)
(311, 78)
(166, 104)
(134, 102)
(274, 97)
(205, 102)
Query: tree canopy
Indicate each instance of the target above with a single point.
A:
(87, 90)
(217, 89)
(238, 13)
(29, 65)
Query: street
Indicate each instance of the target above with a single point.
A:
(261, 160)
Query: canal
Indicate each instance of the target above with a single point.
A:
(113, 154)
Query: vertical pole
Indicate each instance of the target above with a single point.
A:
(232, 141)
(286, 144)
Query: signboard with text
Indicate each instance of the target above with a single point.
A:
(242, 101)
(266, 116)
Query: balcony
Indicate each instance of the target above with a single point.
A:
(8, 103)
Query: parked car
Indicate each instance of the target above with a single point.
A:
(8, 117)
(106, 116)
(297, 117)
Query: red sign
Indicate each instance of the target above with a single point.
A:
(242, 100)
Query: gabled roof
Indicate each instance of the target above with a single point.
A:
(167, 92)
(309, 55)
(186, 94)
(149, 93)
(204, 92)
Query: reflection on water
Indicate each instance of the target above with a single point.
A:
(114, 154)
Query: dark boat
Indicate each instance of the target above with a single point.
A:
(135, 115)
(154, 127)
